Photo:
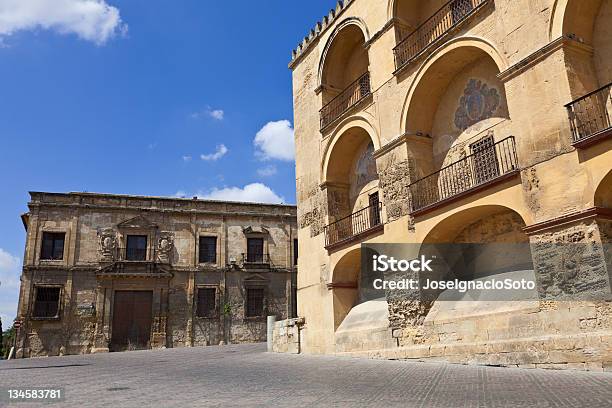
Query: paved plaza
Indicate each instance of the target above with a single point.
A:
(245, 375)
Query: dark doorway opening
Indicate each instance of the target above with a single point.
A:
(132, 315)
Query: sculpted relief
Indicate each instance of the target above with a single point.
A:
(165, 246)
(478, 102)
(107, 244)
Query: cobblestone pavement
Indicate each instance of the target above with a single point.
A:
(245, 375)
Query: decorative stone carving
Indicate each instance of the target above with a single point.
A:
(531, 186)
(165, 246)
(394, 181)
(570, 263)
(478, 102)
(107, 244)
(312, 213)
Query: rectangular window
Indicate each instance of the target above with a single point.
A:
(460, 9)
(255, 250)
(207, 302)
(255, 302)
(46, 304)
(486, 166)
(295, 251)
(52, 245)
(374, 202)
(136, 248)
(208, 249)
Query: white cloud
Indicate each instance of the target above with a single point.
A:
(91, 20)
(267, 171)
(9, 287)
(252, 193)
(186, 158)
(275, 141)
(219, 153)
(217, 114)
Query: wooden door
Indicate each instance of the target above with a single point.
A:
(132, 315)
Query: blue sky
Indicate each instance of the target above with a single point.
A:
(189, 97)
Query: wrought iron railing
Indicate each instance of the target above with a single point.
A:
(133, 254)
(435, 27)
(482, 166)
(590, 115)
(255, 258)
(349, 97)
(357, 223)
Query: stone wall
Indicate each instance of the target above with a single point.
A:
(92, 269)
(286, 336)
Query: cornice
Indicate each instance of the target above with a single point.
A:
(541, 54)
(591, 213)
(416, 137)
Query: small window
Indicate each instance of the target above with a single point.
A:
(136, 248)
(208, 249)
(374, 202)
(46, 304)
(255, 250)
(295, 251)
(207, 302)
(52, 245)
(255, 302)
(486, 166)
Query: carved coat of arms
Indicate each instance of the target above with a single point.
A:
(478, 102)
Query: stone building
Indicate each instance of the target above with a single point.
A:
(113, 272)
(463, 121)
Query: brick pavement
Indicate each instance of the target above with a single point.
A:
(244, 375)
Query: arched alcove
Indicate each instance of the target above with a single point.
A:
(344, 60)
(350, 173)
(484, 243)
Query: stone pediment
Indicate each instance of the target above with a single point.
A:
(138, 222)
(255, 280)
(255, 230)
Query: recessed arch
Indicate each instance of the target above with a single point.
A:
(359, 122)
(353, 31)
(603, 193)
(448, 229)
(469, 46)
(573, 17)
(345, 284)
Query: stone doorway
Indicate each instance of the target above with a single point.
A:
(132, 316)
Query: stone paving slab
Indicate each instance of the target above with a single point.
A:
(245, 375)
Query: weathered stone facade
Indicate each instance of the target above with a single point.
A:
(195, 279)
(466, 103)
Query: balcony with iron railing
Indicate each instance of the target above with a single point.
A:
(255, 259)
(133, 254)
(434, 29)
(349, 97)
(482, 168)
(354, 227)
(589, 116)
(133, 262)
